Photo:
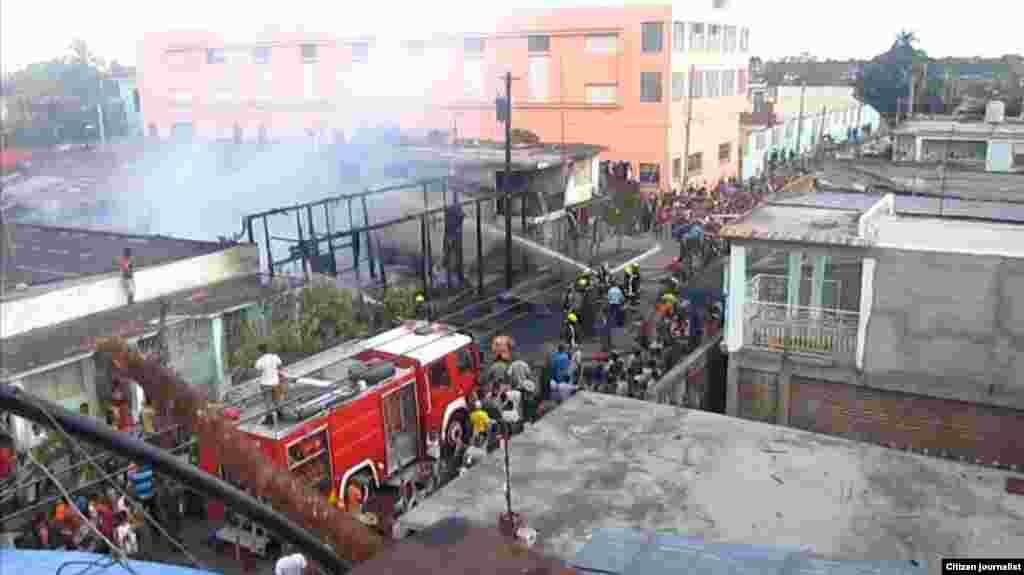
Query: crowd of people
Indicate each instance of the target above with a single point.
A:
(89, 524)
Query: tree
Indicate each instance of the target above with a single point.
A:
(327, 317)
(886, 78)
(54, 99)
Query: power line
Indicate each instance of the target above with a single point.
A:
(114, 549)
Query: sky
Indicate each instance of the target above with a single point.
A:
(31, 31)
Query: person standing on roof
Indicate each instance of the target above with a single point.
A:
(271, 379)
(127, 274)
(294, 564)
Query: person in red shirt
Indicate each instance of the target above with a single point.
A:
(127, 274)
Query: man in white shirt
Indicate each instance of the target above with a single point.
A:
(269, 365)
(294, 564)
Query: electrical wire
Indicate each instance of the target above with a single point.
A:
(91, 485)
(75, 444)
(101, 562)
(114, 549)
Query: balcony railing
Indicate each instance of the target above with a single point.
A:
(821, 332)
(773, 289)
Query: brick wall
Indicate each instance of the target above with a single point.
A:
(758, 395)
(989, 435)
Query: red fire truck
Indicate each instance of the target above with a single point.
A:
(378, 412)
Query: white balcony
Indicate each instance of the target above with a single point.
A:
(824, 332)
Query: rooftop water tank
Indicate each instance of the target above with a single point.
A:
(995, 112)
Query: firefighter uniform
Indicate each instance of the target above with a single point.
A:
(632, 282)
(422, 309)
(569, 335)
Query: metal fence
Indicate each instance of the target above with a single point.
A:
(442, 235)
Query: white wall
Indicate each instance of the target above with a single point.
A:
(105, 292)
(951, 236)
(574, 193)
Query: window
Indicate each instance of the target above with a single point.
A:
(712, 83)
(725, 152)
(473, 45)
(473, 78)
(466, 360)
(215, 56)
(730, 39)
(679, 36)
(539, 43)
(694, 162)
(729, 83)
(309, 80)
(223, 95)
(678, 86)
(261, 55)
(651, 37)
(360, 52)
(439, 373)
(697, 84)
(741, 82)
(181, 98)
(539, 75)
(602, 93)
(650, 86)
(714, 38)
(264, 85)
(602, 43)
(745, 40)
(650, 173)
(309, 52)
(696, 36)
(415, 48)
(677, 169)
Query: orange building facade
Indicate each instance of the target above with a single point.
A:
(637, 80)
(619, 77)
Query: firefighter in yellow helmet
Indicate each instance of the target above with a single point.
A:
(569, 328)
(422, 308)
(632, 283)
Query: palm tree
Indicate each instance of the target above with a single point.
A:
(905, 39)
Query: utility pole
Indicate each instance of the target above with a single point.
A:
(689, 121)
(800, 120)
(507, 182)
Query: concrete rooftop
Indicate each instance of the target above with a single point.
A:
(601, 462)
(924, 178)
(50, 255)
(805, 224)
(44, 346)
(947, 127)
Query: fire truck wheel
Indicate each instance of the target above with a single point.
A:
(455, 434)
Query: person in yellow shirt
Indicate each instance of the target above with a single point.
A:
(480, 422)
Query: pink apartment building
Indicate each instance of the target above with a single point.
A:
(619, 77)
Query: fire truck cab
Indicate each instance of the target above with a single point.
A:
(377, 413)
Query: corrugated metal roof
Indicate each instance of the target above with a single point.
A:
(634, 552)
(26, 561)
